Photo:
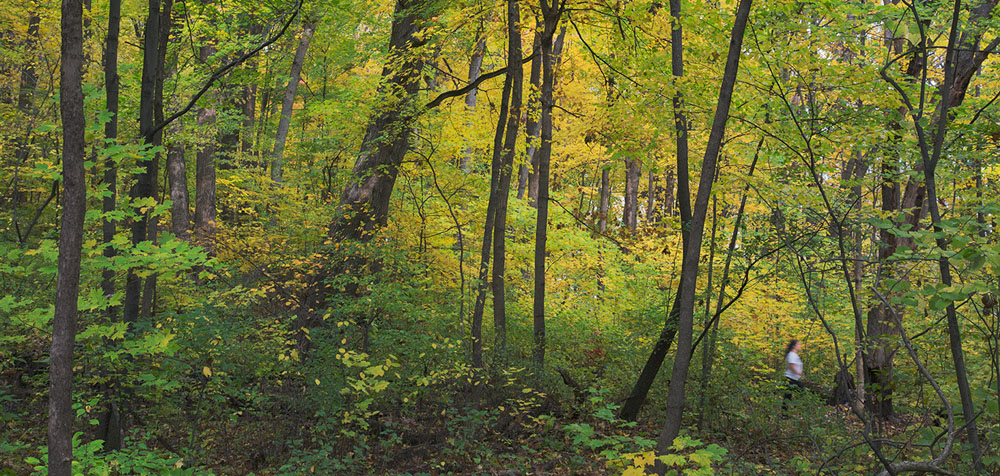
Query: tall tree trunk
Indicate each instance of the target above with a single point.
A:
(475, 68)
(288, 101)
(708, 354)
(602, 221)
(515, 76)
(143, 188)
(364, 204)
(111, 82)
(668, 193)
(491, 209)
(61, 416)
(29, 79)
(651, 213)
(109, 424)
(526, 172)
(204, 171)
(533, 176)
(630, 409)
(692, 250)
(550, 15)
(630, 214)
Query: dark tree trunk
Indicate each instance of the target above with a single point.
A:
(515, 77)
(668, 193)
(630, 214)
(550, 14)
(491, 210)
(71, 102)
(364, 204)
(143, 188)
(29, 79)
(111, 82)
(651, 214)
(630, 409)
(288, 100)
(556, 49)
(692, 250)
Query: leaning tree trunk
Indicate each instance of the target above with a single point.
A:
(288, 101)
(364, 203)
(637, 396)
(692, 251)
(61, 416)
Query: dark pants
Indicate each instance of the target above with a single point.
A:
(791, 386)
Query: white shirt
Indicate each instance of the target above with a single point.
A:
(792, 359)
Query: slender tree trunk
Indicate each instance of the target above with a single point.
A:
(556, 48)
(288, 101)
(491, 210)
(61, 416)
(475, 67)
(602, 221)
(630, 215)
(651, 214)
(111, 82)
(29, 78)
(364, 204)
(515, 77)
(630, 409)
(708, 352)
(550, 14)
(689, 267)
(527, 172)
(145, 179)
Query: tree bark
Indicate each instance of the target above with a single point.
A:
(177, 177)
(630, 214)
(515, 77)
(475, 67)
(689, 267)
(602, 221)
(364, 204)
(143, 188)
(550, 15)
(556, 49)
(111, 83)
(71, 107)
(204, 181)
(288, 100)
(526, 173)
(630, 409)
(29, 78)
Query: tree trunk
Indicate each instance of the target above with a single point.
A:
(475, 67)
(633, 171)
(527, 171)
(177, 176)
(143, 188)
(364, 204)
(550, 14)
(111, 83)
(29, 79)
(204, 172)
(288, 101)
(71, 102)
(668, 193)
(555, 49)
(689, 267)
(630, 409)
(602, 221)
(515, 77)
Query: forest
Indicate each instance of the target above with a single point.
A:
(499, 237)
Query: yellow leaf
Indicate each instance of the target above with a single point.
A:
(206, 371)
(317, 381)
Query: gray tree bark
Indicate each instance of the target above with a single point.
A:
(288, 100)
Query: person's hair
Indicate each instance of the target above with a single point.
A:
(790, 346)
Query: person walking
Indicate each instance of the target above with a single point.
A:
(793, 371)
